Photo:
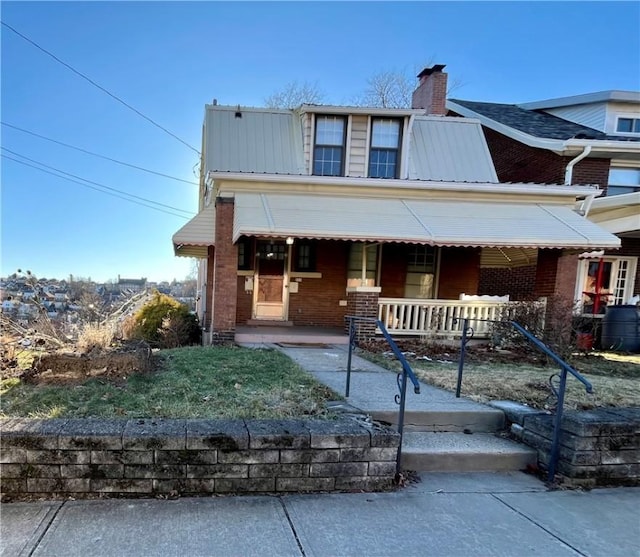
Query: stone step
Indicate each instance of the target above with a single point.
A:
(459, 452)
(446, 417)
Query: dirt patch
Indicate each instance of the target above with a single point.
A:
(477, 353)
(69, 368)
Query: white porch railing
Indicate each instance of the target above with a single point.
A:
(438, 318)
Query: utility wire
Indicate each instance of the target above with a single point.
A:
(92, 187)
(96, 183)
(97, 154)
(83, 76)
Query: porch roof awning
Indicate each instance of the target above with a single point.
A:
(193, 239)
(432, 222)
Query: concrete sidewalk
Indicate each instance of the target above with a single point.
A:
(483, 514)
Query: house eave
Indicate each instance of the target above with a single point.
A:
(393, 186)
(559, 146)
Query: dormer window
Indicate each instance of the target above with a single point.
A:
(384, 154)
(328, 153)
(628, 125)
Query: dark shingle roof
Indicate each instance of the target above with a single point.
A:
(538, 123)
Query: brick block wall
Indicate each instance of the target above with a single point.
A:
(244, 303)
(556, 274)
(459, 272)
(225, 282)
(317, 302)
(363, 304)
(393, 274)
(597, 447)
(518, 282)
(147, 457)
(517, 162)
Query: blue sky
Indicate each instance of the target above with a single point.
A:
(168, 59)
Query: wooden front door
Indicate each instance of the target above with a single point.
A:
(270, 281)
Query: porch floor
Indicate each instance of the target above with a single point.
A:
(266, 334)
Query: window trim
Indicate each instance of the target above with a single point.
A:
(635, 118)
(342, 147)
(629, 287)
(397, 150)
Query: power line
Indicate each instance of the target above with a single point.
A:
(92, 187)
(113, 96)
(85, 182)
(97, 154)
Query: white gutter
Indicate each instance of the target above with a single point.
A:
(568, 173)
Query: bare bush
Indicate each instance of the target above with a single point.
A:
(94, 337)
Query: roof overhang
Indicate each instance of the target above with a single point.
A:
(568, 147)
(619, 214)
(195, 237)
(339, 186)
(428, 222)
(367, 110)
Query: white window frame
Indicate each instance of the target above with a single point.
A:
(629, 287)
(625, 116)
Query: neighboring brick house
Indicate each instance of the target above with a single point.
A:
(584, 139)
(312, 214)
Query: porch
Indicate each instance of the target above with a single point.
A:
(437, 319)
(269, 334)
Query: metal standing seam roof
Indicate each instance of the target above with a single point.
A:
(432, 222)
(270, 142)
(193, 239)
(260, 140)
(449, 149)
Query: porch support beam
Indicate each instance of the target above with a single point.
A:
(225, 281)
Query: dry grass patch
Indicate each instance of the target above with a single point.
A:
(495, 375)
(193, 382)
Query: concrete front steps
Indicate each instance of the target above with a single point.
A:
(460, 452)
(455, 435)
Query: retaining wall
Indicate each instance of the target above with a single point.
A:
(147, 457)
(597, 447)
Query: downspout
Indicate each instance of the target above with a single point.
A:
(568, 173)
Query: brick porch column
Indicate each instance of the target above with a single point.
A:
(556, 274)
(362, 301)
(225, 283)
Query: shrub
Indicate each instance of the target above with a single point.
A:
(166, 323)
(552, 323)
(95, 336)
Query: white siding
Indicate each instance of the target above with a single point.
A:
(307, 140)
(358, 147)
(614, 110)
(591, 115)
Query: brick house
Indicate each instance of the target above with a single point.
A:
(584, 139)
(309, 215)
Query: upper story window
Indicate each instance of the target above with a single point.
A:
(623, 180)
(628, 125)
(328, 153)
(384, 155)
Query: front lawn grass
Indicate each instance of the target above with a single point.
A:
(193, 382)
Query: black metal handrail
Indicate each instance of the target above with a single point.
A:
(401, 378)
(558, 391)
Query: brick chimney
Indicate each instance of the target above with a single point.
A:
(431, 92)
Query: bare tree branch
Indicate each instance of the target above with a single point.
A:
(294, 94)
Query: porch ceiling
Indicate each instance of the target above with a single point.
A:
(432, 222)
(193, 239)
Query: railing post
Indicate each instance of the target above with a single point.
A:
(352, 335)
(463, 347)
(403, 396)
(555, 444)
